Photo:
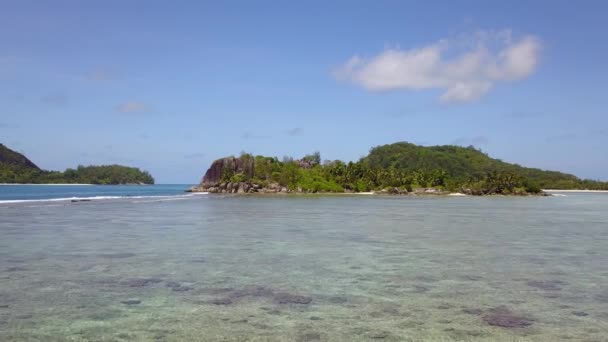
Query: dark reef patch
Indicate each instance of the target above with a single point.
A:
(217, 290)
(472, 311)
(551, 295)
(420, 289)
(387, 309)
(308, 337)
(16, 269)
(178, 287)
(427, 279)
(221, 301)
(337, 299)
(602, 297)
(445, 306)
(230, 295)
(116, 255)
(288, 298)
(472, 277)
(252, 291)
(503, 317)
(105, 315)
(141, 282)
(377, 334)
(547, 285)
(391, 309)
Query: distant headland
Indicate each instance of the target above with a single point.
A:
(399, 168)
(15, 168)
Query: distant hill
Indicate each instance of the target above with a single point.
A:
(15, 159)
(464, 163)
(18, 169)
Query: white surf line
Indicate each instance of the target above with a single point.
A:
(100, 198)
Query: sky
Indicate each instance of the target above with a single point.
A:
(170, 86)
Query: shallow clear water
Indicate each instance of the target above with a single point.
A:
(306, 268)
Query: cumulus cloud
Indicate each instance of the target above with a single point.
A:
(465, 68)
(131, 107)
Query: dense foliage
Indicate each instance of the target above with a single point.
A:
(464, 164)
(405, 166)
(336, 176)
(15, 168)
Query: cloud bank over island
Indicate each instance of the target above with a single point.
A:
(465, 68)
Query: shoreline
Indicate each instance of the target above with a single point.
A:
(373, 194)
(370, 193)
(575, 191)
(245, 188)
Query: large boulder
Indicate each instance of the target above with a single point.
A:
(229, 165)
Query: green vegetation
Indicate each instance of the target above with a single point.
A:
(464, 165)
(404, 166)
(16, 168)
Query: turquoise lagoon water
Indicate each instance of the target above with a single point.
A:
(305, 268)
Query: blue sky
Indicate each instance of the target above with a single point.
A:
(171, 86)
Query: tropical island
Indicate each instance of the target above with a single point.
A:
(15, 168)
(399, 168)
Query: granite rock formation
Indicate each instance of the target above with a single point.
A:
(214, 180)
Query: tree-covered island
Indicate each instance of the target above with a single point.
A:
(399, 168)
(15, 168)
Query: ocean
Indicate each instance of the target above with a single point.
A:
(151, 263)
(42, 193)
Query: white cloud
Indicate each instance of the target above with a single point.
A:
(131, 107)
(465, 68)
